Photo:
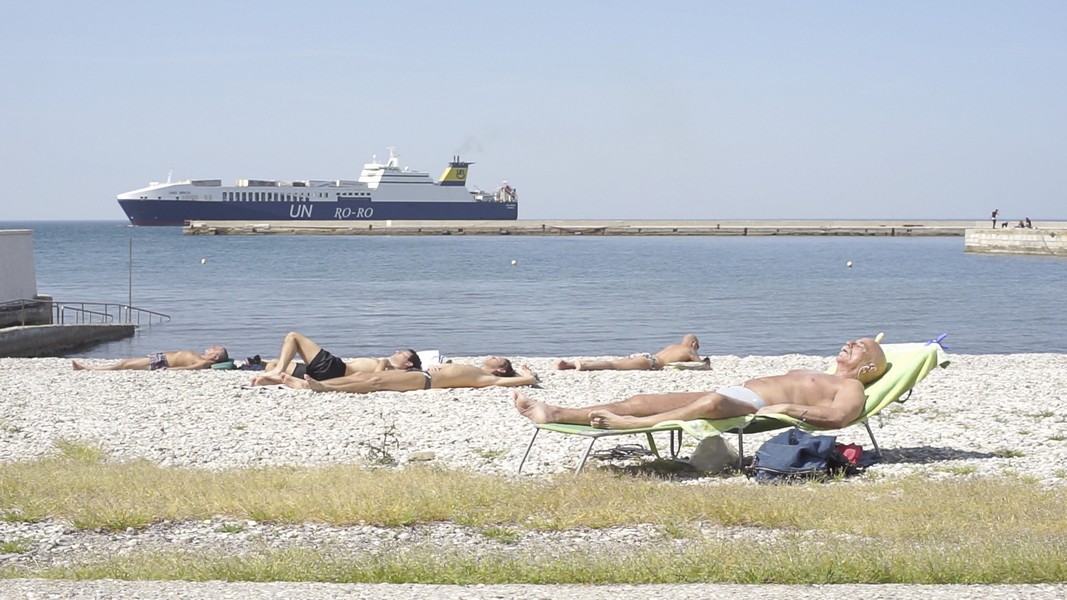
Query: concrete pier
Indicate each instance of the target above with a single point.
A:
(1042, 241)
(588, 227)
(50, 340)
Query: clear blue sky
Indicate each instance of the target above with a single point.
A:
(776, 109)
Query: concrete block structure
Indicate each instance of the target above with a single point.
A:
(1049, 242)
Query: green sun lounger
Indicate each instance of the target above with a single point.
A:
(908, 364)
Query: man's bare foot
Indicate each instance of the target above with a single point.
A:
(314, 384)
(78, 366)
(293, 382)
(603, 419)
(266, 380)
(538, 412)
(562, 365)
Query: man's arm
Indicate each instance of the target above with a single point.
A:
(527, 378)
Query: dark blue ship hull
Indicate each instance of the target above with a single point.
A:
(177, 212)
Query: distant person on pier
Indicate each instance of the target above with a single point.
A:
(495, 371)
(996, 211)
(1029, 225)
(187, 360)
(319, 364)
(686, 351)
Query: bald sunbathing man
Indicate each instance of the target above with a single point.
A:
(178, 360)
(829, 401)
(494, 371)
(686, 351)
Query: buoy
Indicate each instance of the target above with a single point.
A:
(849, 264)
(514, 262)
(203, 261)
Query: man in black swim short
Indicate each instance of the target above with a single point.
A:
(319, 364)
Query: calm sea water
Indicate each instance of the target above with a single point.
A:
(565, 296)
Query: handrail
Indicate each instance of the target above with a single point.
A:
(80, 313)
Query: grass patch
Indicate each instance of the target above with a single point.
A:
(501, 535)
(1008, 453)
(886, 530)
(15, 546)
(959, 470)
(79, 451)
(788, 563)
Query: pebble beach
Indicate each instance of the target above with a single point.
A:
(983, 416)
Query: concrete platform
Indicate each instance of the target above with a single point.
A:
(1041, 241)
(52, 340)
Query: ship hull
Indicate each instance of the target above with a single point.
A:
(178, 212)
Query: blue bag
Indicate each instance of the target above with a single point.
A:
(797, 454)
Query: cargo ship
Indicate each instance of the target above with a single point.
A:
(384, 191)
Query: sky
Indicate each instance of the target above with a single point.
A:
(911, 109)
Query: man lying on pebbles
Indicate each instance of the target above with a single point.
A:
(686, 351)
(494, 371)
(321, 365)
(827, 400)
(179, 359)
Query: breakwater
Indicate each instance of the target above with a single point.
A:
(533, 227)
(1049, 242)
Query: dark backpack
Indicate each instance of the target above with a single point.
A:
(796, 454)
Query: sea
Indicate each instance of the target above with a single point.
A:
(559, 296)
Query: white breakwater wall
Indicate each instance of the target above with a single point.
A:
(1050, 242)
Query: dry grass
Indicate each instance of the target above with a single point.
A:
(908, 530)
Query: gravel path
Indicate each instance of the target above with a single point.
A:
(983, 416)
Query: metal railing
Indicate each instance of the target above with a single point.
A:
(83, 313)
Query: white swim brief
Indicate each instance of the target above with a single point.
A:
(742, 394)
